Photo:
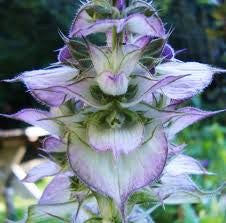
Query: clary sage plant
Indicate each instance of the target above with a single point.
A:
(113, 97)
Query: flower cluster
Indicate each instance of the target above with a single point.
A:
(114, 96)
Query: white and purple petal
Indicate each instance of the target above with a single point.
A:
(58, 190)
(119, 178)
(183, 164)
(199, 77)
(175, 120)
(189, 117)
(142, 41)
(41, 171)
(176, 149)
(53, 145)
(181, 189)
(82, 90)
(121, 139)
(113, 84)
(99, 58)
(151, 26)
(129, 61)
(64, 55)
(42, 119)
(56, 91)
(81, 21)
(146, 86)
(41, 83)
(168, 52)
(84, 25)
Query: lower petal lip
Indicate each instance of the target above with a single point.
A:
(122, 140)
(113, 84)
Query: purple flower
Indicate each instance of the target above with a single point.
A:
(84, 24)
(121, 4)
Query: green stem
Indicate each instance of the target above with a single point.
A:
(114, 38)
(114, 2)
(107, 208)
(106, 221)
(115, 46)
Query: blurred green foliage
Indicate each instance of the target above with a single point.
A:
(199, 27)
(207, 143)
(29, 38)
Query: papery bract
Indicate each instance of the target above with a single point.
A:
(113, 69)
(119, 178)
(41, 83)
(119, 132)
(199, 77)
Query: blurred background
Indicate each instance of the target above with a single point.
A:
(29, 40)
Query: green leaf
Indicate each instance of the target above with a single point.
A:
(189, 214)
(141, 7)
(102, 3)
(155, 47)
(80, 52)
(100, 9)
(56, 213)
(142, 198)
(108, 209)
(94, 220)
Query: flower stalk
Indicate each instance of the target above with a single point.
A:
(114, 41)
(107, 208)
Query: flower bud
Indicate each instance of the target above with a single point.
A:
(113, 84)
(121, 4)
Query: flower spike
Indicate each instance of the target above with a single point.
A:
(113, 100)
